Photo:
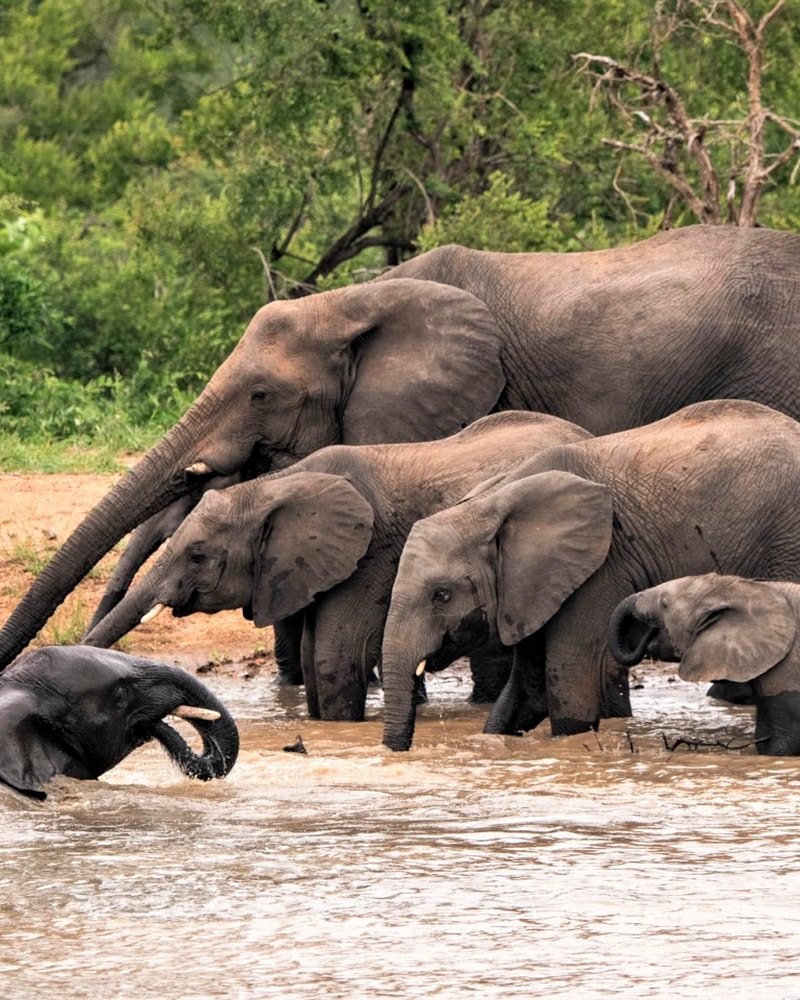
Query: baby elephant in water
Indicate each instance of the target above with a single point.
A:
(78, 711)
(723, 628)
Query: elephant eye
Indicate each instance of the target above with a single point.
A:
(197, 558)
(119, 698)
(441, 595)
(258, 394)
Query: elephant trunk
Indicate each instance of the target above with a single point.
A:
(121, 619)
(399, 665)
(157, 480)
(630, 633)
(220, 735)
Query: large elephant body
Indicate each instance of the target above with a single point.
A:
(325, 536)
(78, 711)
(542, 558)
(608, 340)
(729, 627)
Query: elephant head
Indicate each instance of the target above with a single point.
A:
(78, 711)
(498, 565)
(394, 360)
(266, 546)
(722, 628)
(146, 539)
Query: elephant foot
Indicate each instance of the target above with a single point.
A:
(287, 678)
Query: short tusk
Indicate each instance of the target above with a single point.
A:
(154, 612)
(421, 667)
(194, 712)
(199, 469)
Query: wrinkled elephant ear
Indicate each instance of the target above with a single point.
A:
(746, 628)
(555, 532)
(428, 363)
(317, 528)
(31, 752)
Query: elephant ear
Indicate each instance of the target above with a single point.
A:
(29, 754)
(317, 528)
(427, 365)
(555, 532)
(742, 629)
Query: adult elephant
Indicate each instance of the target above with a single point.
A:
(324, 537)
(78, 711)
(542, 558)
(727, 627)
(608, 340)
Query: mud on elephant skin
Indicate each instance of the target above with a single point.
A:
(542, 558)
(323, 538)
(79, 711)
(729, 628)
(608, 340)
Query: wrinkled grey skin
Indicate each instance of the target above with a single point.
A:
(148, 537)
(724, 627)
(607, 340)
(146, 540)
(78, 711)
(542, 558)
(325, 536)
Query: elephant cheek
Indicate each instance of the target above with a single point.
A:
(468, 635)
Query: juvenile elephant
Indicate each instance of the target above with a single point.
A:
(724, 627)
(79, 711)
(146, 540)
(325, 535)
(542, 558)
(608, 340)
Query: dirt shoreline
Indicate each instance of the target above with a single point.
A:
(37, 514)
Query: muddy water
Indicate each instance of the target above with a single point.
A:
(602, 866)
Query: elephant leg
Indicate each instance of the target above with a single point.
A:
(490, 670)
(288, 642)
(307, 660)
(616, 695)
(523, 702)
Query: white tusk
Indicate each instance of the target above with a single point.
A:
(199, 469)
(154, 612)
(421, 667)
(194, 712)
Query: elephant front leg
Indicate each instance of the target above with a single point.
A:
(341, 687)
(616, 692)
(522, 704)
(288, 646)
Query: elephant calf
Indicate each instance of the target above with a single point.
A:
(78, 711)
(542, 557)
(724, 627)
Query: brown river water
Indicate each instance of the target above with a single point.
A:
(596, 866)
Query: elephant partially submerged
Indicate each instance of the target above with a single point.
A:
(608, 340)
(724, 627)
(79, 711)
(325, 536)
(542, 557)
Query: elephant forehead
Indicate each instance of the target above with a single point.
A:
(435, 541)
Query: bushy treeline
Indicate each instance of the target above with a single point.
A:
(167, 166)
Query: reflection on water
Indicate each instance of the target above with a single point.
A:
(594, 866)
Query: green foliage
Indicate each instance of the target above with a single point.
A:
(166, 167)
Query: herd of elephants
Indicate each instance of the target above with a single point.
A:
(555, 464)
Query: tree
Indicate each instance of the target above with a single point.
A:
(717, 167)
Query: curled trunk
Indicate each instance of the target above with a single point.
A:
(220, 735)
(629, 633)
